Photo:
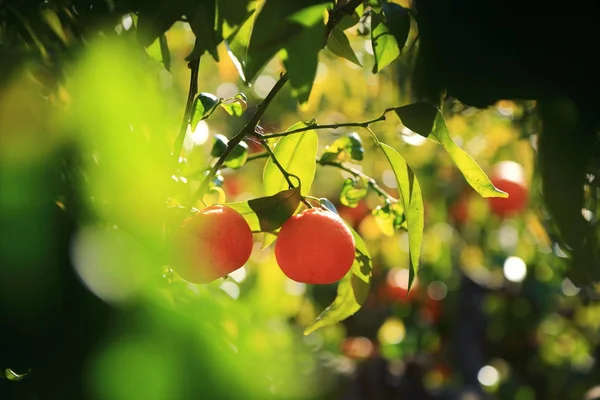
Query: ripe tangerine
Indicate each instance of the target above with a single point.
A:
(509, 177)
(213, 243)
(315, 247)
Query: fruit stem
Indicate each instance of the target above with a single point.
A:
(194, 67)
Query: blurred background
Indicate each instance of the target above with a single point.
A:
(88, 309)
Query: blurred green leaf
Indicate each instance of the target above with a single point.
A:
(267, 214)
(418, 117)
(412, 201)
(352, 291)
(155, 21)
(385, 47)
(390, 218)
(353, 191)
(348, 21)
(232, 15)
(269, 238)
(278, 24)
(469, 168)
(397, 19)
(296, 153)
(328, 204)
(234, 107)
(203, 107)
(339, 45)
(345, 148)
(237, 43)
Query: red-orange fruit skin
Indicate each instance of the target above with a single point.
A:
(213, 243)
(315, 247)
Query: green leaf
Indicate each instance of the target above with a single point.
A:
(296, 153)
(203, 107)
(467, 166)
(237, 43)
(389, 218)
(206, 29)
(232, 14)
(328, 205)
(352, 291)
(300, 57)
(155, 19)
(412, 202)
(238, 156)
(267, 214)
(397, 19)
(235, 106)
(418, 117)
(345, 148)
(269, 238)
(385, 47)
(276, 26)
(348, 21)
(219, 145)
(339, 45)
(351, 194)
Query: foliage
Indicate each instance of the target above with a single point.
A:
(112, 75)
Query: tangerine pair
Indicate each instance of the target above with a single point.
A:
(313, 247)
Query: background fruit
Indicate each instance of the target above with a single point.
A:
(211, 244)
(509, 176)
(315, 247)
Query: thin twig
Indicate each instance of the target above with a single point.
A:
(248, 129)
(315, 126)
(194, 66)
(285, 174)
(354, 172)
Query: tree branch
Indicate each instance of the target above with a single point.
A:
(354, 172)
(364, 124)
(194, 66)
(248, 129)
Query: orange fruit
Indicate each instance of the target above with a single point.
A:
(213, 243)
(509, 177)
(315, 247)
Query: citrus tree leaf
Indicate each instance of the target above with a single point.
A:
(238, 156)
(353, 191)
(352, 291)
(300, 57)
(267, 214)
(207, 30)
(418, 117)
(296, 153)
(348, 21)
(234, 107)
(385, 47)
(269, 238)
(390, 218)
(232, 14)
(277, 24)
(339, 45)
(397, 20)
(345, 148)
(237, 42)
(412, 201)
(203, 107)
(467, 166)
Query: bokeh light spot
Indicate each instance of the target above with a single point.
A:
(488, 376)
(515, 269)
